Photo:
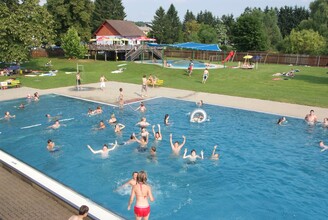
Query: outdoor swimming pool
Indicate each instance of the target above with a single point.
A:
(265, 171)
(184, 64)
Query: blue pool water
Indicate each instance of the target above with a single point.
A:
(184, 64)
(265, 171)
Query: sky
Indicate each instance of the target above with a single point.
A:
(144, 10)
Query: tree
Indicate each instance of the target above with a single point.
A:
(207, 34)
(107, 9)
(306, 42)
(289, 18)
(173, 31)
(23, 25)
(249, 33)
(71, 44)
(158, 25)
(71, 13)
(318, 19)
(270, 22)
(228, 22)
(191, 31)
(189, 16)
(206, 18)
(221, 30)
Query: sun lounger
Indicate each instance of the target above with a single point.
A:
(158, 82)
(10, 83)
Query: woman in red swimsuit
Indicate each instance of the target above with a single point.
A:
(141, 191)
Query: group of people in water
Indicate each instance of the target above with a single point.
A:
(140, 190)
(311, 119)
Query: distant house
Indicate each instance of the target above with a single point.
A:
(118, 32)
(145, 29)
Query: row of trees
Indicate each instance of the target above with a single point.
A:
(288, 29)
(25, 24)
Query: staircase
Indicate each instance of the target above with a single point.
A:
(134, 54)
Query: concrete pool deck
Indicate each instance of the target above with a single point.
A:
(20, 200)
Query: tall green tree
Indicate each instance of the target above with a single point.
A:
(23, 25)
(289, 18)
(249, 33)
(206, 17)
(107, 9)
(207, 34)
(158, 25)
(318, 20)
(173, 32)
(189, 16)
(270, 22)
(305, 42)
(191, 31)
(71, 13)
(228, 22)
(71, 44)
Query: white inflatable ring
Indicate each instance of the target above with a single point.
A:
(198, 113)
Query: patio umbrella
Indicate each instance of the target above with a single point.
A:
(248, 57)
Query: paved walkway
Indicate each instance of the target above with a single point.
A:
(19, 200)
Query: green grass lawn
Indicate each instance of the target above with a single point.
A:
(308, 87)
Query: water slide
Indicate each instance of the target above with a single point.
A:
(230, 55)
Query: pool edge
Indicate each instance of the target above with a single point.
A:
(57, 191)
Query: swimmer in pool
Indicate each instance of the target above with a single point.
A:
(141, 108)
(112, 119)
(197, 118)
(153, 151)
(323, 146)
(101, 125)
(142, 191)
(193, 156)
(166, 119)
(36, 96)
(21, 106)
(282, 120)
(144, 132)
(176, 147)
(53, 118)
(50, 145)
(143, 141)
(325, 123)
(311, 117)
(200, 103)
(8, 115)
(215, 156)
(119, 127)
(131, 182)
(158, 134)
(131, 140)
(104, 151)
(98, 110)
(143, 122)
(56, 125)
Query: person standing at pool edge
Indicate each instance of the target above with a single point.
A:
(142, 192)
(102, 82)
(121, 99)
(144, 86)
(78, 81)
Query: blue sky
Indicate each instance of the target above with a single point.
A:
(144, 10)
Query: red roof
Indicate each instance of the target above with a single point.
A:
(119, 27)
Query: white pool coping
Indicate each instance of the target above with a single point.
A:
(61, 191)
